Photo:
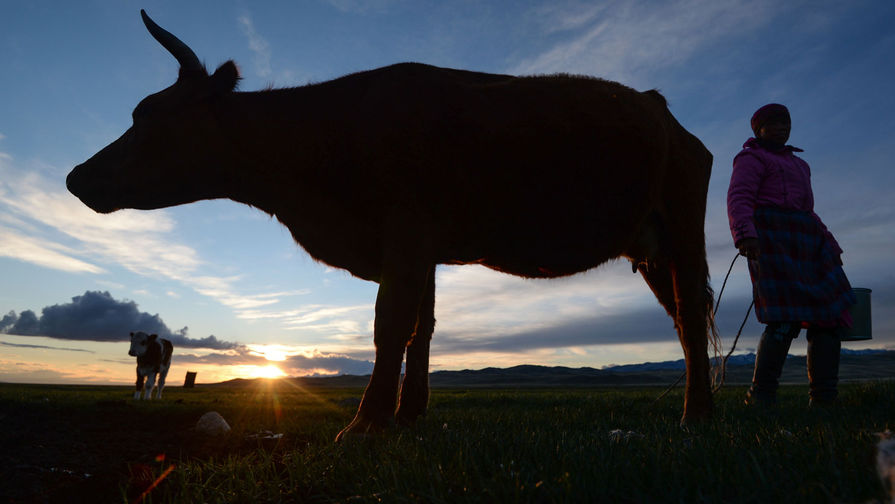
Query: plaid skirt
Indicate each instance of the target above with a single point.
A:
(797, 277)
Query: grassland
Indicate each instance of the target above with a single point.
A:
(93, 444)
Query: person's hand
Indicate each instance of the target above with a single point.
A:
(749, 248)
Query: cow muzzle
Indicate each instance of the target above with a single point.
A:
(93, 193)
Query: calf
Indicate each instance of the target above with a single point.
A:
(153, 358)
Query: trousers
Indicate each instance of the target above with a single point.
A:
(824, 348)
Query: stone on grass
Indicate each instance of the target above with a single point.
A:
(212, 424)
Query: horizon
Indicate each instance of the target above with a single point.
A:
(219, 377)
(239, 298)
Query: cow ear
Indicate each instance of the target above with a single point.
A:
(225, 78)
(132, 334)
(152, 337)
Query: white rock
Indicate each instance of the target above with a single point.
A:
(212, 424)
(885, 462)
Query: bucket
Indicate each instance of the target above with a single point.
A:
(860, 315)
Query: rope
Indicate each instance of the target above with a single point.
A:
(724, 284)
(732, 348)
(671, 387)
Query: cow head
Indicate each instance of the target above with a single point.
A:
(140, 342)
(167, 156)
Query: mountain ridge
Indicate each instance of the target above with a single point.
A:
(855, 365)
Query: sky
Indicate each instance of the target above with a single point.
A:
(227, 284)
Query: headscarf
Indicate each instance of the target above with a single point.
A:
(767, 113)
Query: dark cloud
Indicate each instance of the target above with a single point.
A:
(333, 363)
(97, 316)
(8, 320)
(19, 345)
(318, 363)
(644, 326)
(641, 326)
(241, 357)
(26, 324)
(180, 339)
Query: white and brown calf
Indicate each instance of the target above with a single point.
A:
(153, 358)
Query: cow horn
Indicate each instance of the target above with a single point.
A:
(185, 56)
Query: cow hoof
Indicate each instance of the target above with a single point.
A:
(410, 411)
(360, 428)
(404, 419)
(695, 419)
(347, 436)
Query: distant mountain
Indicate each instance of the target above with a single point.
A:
(747, 359)
(866, 351)
(855, 365)
(537, 376)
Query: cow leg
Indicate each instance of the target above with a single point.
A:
(397, 304)
(693, 299)
(139, 385)
(415, 388)
(150, 384)
(163, 373)
(697, 403)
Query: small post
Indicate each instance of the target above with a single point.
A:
(190, 380)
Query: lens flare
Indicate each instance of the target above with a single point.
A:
(268, 371)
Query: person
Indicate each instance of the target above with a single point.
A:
(794, 261)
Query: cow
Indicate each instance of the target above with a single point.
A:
(153, 359)
(387, 173)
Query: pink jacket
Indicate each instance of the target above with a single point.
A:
(768, 178)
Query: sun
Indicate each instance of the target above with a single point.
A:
(268, 371)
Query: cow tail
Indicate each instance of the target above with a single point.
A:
(713, 335)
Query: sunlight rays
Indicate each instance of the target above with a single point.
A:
(269, 371)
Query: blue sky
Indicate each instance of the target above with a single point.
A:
(73, 72)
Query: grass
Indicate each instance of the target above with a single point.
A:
(491, 446)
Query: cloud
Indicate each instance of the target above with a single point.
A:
(480, 311)
(302, 364)
(45, 347)
(331, 363)
(97, 316)
(258, 45)
(362, 6)
(43, 224)
(8, 320)
(42, 253)
(640, 326)
(623, 39)
(131, 238)
(476, 300)
(35, 372)
(344, 323)
(221, 289)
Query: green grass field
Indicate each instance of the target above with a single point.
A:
(94, 444)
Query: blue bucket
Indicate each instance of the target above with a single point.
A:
(860, 315)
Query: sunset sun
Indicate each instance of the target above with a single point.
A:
(269, 371)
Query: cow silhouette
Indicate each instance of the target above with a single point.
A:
(390, 172)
